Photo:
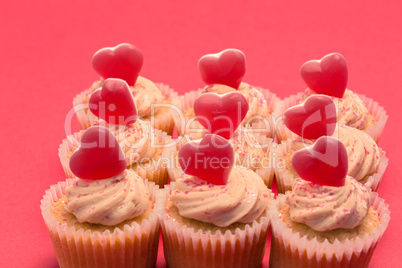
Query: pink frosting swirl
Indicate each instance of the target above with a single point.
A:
(324, 208)
(109, 201)
(258, 106)
(363, 153)
(134, 139)
(243, 199)
(145, 93)
(350, 109)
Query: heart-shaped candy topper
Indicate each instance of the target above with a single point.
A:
(327, 76)
(99, 155)
(227, 67)
(324, 163)
(123, 61)
(114, 102)
(221, 114)
(210, 159)
(314, 118)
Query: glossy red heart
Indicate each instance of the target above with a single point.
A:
(123, 61)
(210, 159)
(327, 76)
(114, 102)
(99, 155)
(324, 163)
(227, 67)
(314, 118)
(221, 114)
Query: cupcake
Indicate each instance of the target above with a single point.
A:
(144, 147)
(366, 161)
(107, 216)
(329, 76)
(222, 115)
(328, 219)
(223, 73)
(215, 215)
(153, 100)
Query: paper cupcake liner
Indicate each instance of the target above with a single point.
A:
(66, 148)
(155, 171)
(374, 180)
(272, 101)
(285, 178)
(266, 172)
(184, 247)
(289, 249)
(135, 246)
(283, 133)
(183, 123)
(380, 115)
(175, 170)
(163, 118)
(281, 130)
(158, 171)
(80, 105)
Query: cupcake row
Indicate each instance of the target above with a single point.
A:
(223, 73)
(262, 126)
(215, 214)
(214, 208)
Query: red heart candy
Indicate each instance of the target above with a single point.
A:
(221, 114)
(227, 67)
(314, 118)
(327, 76)
(114, 102)
(123, 61)
(324, 163)
(211, 159)
(99, 155)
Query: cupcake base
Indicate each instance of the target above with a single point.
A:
(186, 247)
(289, 249)
(134, 246)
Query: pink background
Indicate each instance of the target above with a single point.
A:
(45, 60)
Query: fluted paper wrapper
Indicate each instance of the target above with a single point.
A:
(195, 130)
(162, 119)
(183, 123)
(285, 178)
(184, 247)
(272, 101)
(156, 170)
(266, 172)
(289, 249)
(283, 133)
(135, 246)
(379, 114)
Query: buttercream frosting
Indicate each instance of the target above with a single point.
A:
(248, 151)
(134, 139)
(145, 93)
(108, 201)
(243, 199)
(351, 110)
(363, 153)
(325, 208)
(258, 106)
